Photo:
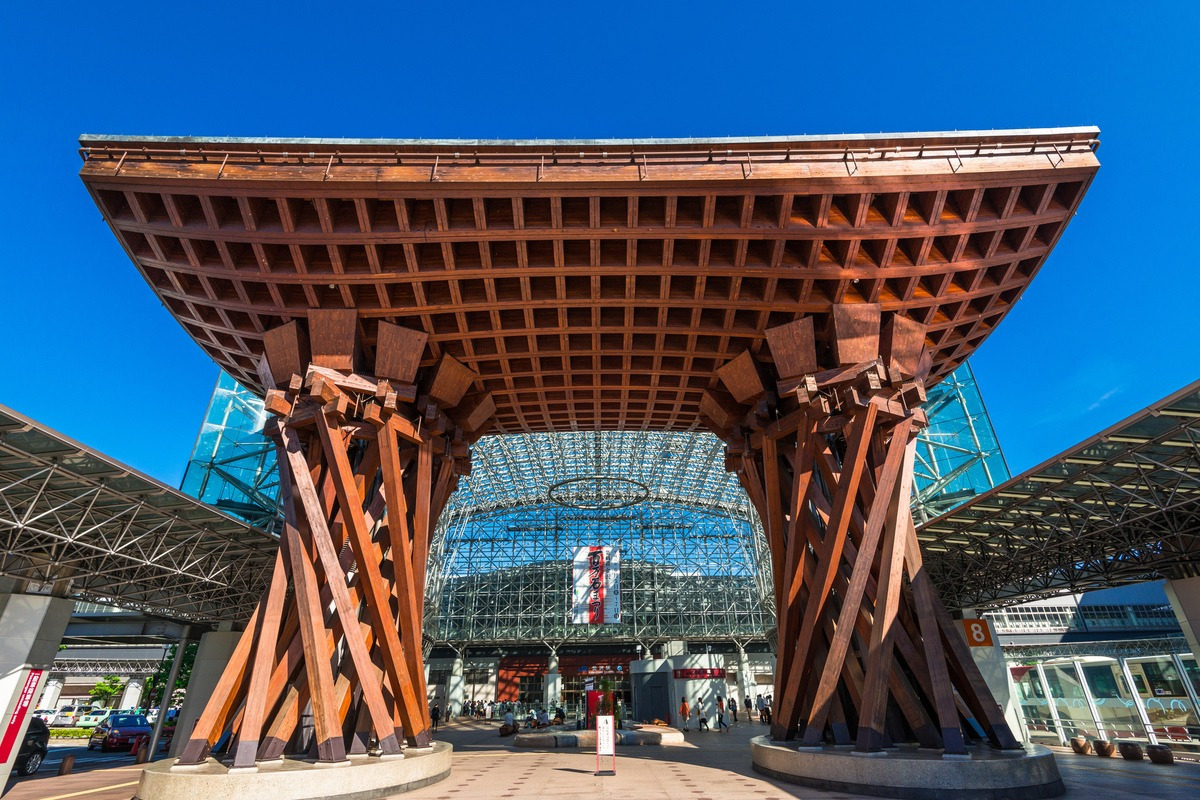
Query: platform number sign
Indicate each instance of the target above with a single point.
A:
(979, 634)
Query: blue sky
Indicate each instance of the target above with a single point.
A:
(1108, 326)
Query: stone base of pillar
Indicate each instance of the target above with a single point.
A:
(984, 774)
(295, 779)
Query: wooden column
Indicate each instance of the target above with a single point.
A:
(822, 438)
(366, 463)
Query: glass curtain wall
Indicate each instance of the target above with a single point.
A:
(1160, 689)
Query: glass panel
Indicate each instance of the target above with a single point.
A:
(1167, 702)
(1033, 702)
(1114, 701)
(1070, 700)
(1193, 671)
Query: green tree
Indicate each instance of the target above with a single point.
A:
(154, 685)
(106, 689)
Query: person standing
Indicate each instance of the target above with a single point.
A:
(720, 712)
(685, 711)
(733, 706)
(701, 718)
(758, 706)
(749, 707)
(435, 714)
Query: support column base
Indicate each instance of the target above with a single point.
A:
(911, 773)
(296, 779)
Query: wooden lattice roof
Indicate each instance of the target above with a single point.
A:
(591, 284)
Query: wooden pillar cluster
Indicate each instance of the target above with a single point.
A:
(822, 439)
(366, 464)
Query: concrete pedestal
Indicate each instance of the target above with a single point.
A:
(131, 697)
(214, 652)
(51, 693)
(31, 628)
(294, 779)
(907, 772)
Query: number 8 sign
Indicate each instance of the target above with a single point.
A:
(979, 633)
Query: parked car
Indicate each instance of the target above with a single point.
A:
(172, 715)
(94, 717)
(118, 732)
(70, 715)
(33, 749)
(46, 715)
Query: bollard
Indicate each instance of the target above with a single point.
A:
(68, 764)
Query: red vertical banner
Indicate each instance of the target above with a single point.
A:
(596, 585)
(24, 700)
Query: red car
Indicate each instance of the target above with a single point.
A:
(119, 732)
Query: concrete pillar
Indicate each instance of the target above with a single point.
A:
(745, 676)
(51, 693)
(216, 648)
(132, 694)
(455, 689)
(1184, 595)
(553, 682)
(991, 662)
(31, 629)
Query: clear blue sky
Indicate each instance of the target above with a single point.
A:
(1108, 326)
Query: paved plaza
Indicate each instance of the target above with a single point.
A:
(710, 765)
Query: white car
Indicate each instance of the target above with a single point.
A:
(70, 715)
(94, 717)
(46, 715)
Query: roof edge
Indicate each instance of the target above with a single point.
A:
(1052, 133)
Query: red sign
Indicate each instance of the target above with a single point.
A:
(698, 674)
(978, 632)
(18, 716)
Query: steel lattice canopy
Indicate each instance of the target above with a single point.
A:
(675, 467)
(77, 523)
(1121, 507)
(591, 284)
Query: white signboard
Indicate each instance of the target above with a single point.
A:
(606, 742)
(596, 586)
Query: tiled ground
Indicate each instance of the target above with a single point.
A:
(710, 765)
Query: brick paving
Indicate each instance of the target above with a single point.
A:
(709, 766)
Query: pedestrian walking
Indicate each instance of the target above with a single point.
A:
(703, 726)
(720, 708)
(758, 705)
(435, 714)
(733, 706)
(685, 711)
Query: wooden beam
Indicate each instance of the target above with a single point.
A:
(741, 378)
(793, 347)
(854, 332)
(398, 352)
(449, 381)
(287, 352)
(333, 337)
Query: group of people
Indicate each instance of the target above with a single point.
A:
(479, 709)
(533, 721)
(689, 711)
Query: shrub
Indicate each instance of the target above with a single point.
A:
(70, 733)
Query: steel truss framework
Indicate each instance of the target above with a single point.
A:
(233, 464)
(82, 525)
(1121, 507)
(125, 667)
(686, 573)
(506, 493)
